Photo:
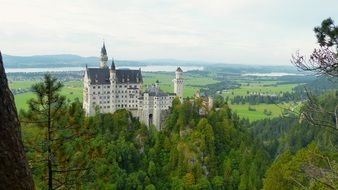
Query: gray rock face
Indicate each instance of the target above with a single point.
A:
(14, 170)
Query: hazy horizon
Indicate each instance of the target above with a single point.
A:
(156, 61)
(232, 32)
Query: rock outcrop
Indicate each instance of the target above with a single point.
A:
(14, 170)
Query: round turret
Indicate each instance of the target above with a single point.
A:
(178, 83)
(178, 72)
(179, 69)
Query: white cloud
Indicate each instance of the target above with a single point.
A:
(238, 31)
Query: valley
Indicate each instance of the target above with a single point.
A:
(209, 81)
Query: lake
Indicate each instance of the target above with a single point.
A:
(150, 68)
(272, 74)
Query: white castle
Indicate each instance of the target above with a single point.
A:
(109, 89)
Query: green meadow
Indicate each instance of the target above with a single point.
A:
(21, 84)
(269, 87)
(73, 90)
(257, 111)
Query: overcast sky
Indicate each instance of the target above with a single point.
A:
(229, 31)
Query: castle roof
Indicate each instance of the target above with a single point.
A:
(101, 76)
(179, 69)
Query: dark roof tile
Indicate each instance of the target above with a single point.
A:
(101, 76)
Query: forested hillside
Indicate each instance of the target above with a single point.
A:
(116, 151)
(215, 151)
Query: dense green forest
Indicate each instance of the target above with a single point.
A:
(215, 151)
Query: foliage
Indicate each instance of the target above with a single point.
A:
(323, 60)
(55, 128)
(191, 152)
(309, 168)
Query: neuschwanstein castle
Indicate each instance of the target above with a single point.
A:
(107, 89)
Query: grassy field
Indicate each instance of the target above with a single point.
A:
(21, 100)
(21, 84)
(276, 110)
(268, 87)
(71, 90)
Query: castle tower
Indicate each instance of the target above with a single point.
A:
(157, 85)
(157, 113)
(178, 83)
(104, 57)
(112, 78)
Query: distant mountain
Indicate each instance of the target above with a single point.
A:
(63, 60)
(68, 60)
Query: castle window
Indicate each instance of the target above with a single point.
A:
(98, 87)
(108, 106)
(94, 87)
(108, 86)
(93, 92)
(98, 92)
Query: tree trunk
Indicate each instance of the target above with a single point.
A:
(14, 170)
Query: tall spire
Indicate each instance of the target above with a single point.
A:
(112, 67)
(103, 49)
(104, 57)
